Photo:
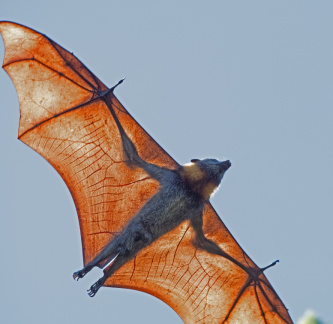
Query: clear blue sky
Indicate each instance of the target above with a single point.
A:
(246, 80)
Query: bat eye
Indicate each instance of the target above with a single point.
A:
(194, 160)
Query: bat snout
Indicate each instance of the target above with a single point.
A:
(226, 165)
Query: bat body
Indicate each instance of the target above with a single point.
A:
(182, 195)
(144, 219)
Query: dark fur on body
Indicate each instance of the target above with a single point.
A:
(181, 197)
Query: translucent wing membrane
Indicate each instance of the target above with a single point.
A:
(65, 120)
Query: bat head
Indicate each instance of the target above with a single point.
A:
(205, 175)
(213, 169)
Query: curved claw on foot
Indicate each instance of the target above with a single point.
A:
(78, 274)
(94, 288)
(90, 293)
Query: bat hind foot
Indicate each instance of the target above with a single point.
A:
(79, 274)
(95, 287)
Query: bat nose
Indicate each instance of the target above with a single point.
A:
(226, 165)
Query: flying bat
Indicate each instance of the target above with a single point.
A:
(144, 219)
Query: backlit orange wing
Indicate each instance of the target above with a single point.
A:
(65, 121)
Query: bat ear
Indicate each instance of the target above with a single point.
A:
(195, 160)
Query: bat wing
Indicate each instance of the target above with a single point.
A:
(64, 119)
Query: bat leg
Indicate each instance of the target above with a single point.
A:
(101, 260)
(109, 252)
(131, 242)
(108, 271)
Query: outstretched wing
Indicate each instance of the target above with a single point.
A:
(64, 119)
